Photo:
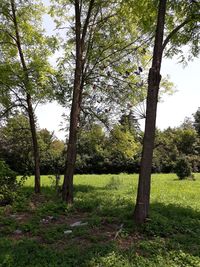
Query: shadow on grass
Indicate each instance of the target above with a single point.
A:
(29, 253)
(49, 190)
(180, 226)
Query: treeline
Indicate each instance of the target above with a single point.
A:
(100, 150)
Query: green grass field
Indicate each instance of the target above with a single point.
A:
(32, 229)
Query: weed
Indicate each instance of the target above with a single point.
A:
(114, 183)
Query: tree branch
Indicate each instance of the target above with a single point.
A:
(87, 21)
(10, 43)
(8, 33)
(171, 34)
(2, 114)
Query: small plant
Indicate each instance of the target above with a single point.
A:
(183, 169)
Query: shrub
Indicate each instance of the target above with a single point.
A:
(183, 168)
(8, 184)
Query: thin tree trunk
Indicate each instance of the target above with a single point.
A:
(141, 211)
(35, 144)
(67, 189)
(28, 100)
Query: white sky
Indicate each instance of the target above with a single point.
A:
(171, 111)
(186, 100)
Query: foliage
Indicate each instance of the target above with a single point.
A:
(113, 152)
(16, 144)
(197, 121)
(99, 151)
(122, 142)
(51, 153)
(8, 184)
(187, 141)
(114, 70)
(172, 143)
(36, 48)
(16, 147)
(165, 152)
(185, 13)
(24, 65)
(183, 168)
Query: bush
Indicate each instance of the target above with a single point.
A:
(8, 184)
(183, 168)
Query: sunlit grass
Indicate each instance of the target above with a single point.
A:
(166, 188)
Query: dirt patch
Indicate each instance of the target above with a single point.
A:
(65, 219)
(23, 235)
(80, 216)
(21, 217)
(36, 201)
(7, 210)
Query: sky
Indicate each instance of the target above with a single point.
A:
(171, 111)
(186, 100)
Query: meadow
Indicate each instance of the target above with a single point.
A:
(37, 230)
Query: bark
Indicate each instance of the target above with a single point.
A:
(35, 144)
(141, 211)
(28, 100)
(67, 188)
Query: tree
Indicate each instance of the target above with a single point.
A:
(15, 144)
(183, 168)
(16, 147)
(186, 141)
(173, 143)
(143, 196)
(141, 211)
(107, 67)
(91, 150)
(24, 67)
(67, 190)
(197, 121)
(51, 153)
(122, 142)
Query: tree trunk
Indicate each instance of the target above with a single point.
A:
(141, 211)
(28, 100)
(67, 189)
(35, 144)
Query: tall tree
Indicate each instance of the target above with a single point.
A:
(141, 211)
(24, 65)
(80, 33)
(111, 76)
(143, 196)
(27, 86)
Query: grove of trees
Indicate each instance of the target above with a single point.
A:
(109, 68)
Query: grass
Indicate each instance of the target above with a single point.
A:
(32, 229)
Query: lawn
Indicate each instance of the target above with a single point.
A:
(37, 230)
